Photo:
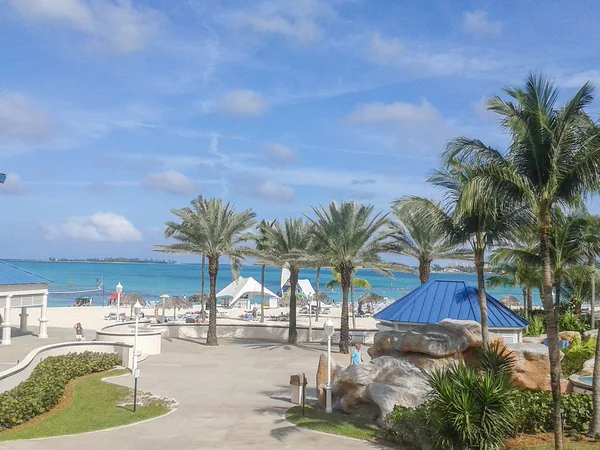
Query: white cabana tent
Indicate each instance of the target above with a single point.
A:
(306, 287)
(241, 292)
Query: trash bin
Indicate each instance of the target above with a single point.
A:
(297, 385)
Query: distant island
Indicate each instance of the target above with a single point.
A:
(114, 260)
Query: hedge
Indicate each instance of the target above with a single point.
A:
(46, 385)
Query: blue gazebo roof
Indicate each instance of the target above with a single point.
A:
(12, 275)
(437, 300)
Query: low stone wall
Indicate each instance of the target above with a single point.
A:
(257, 331)
(12, 377)
(149, 339)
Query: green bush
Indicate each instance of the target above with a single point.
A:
(535, 412)
(409, 427)
(576, 354)
(46, 385)
(537, 326)
(569, 321)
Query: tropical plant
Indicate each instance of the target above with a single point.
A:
(570, 321)
(537, 326)
(263, 248)
(576, 354)
(553, 158)
(212, 228)
(470, 408)
(288, 244)
(349, 236)
(591, 242)
(496, 359)
(359, 283)
(420, 237)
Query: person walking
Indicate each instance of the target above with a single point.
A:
(355, 357)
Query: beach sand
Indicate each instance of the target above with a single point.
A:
(92, 317)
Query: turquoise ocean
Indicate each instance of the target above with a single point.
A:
(73, 279)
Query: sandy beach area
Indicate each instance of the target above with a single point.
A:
(92, 317)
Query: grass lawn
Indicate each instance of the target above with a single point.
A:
(88, 405)
(333, 423)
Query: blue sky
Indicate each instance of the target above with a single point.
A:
(114, 112)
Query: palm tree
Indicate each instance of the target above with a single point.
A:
(359, 283)
(263, 248)
(288, 243)
(592, 250)
(350, 237)
(212, 228)
(553, 159)
(421, 239)
(515, 274)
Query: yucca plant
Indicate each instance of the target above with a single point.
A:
(496, 359)
(471, 409)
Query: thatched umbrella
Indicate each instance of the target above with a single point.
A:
(322, 297)
(199, 298)
(511, 302)
(131, 298)
(369, 297)
(176, 303)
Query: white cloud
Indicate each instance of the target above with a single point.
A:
(118, 26)
(578, 79)
(13, 185)
(384, 50)
(98, 227)
(21, 119)
(249, 185)
(172, 182)
(477, 23)
(399, 112)
(243, 103)
(294, 19)
(278, 153)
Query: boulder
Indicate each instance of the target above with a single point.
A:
(569, 336)
(386, 397)
(385, 343)
(588, 368)
(590, 334)
(531, 369)
(469, 329)
(434, 340)
(336, 371)
(532, 340)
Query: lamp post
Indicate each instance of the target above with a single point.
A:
(310, 297)
(328, 329)
(137, 310)
(119, 290)
(164, 299)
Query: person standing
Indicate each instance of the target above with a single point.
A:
(355, 357)
(78, 332)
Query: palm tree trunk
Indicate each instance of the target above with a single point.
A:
(592, 263)
(346, 282)
(213, 269)
(524, 291)
(479, 264)
(529, 301)
(317, 293)
(293, 333)
(595, 424)
(262, 294)
(424, 271)
(352, 301)
(202, 312)
(551, 328)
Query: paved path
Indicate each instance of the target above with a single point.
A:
(24, 343)
(232, 396)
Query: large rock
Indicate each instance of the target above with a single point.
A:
(386, 396)
(590, 334)
(588, 368)
(434, 340)
(569, 336)
(531, 369)
(336, 372)
(469, 329)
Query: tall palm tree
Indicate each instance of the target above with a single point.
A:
(553, 159)
(263, 248)
(422, 239)
(592, 250)
(212, 228)
(359, 283)
(288, 243)
(350, 237)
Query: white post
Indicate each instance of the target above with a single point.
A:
(328, 387)
(118, 304)
(6, 324)
(135, 349)
(309, 319)
(163, 311)
(23, 316)
(43, 333)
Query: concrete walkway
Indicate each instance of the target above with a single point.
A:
(232, 396)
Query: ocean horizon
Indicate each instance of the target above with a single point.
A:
(73, 279)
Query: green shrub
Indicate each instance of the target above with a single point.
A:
(495, 359)
(409, 427)
(537, 326)
(46, 385)
(535, 412)
(576, 354)
(569, 321)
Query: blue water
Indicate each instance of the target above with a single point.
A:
(152, 280)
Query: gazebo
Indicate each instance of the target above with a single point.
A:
(22, 289)
(437, 300)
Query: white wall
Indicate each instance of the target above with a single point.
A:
(149, 339)
(12, 377)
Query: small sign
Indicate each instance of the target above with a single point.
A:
(136, 373)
